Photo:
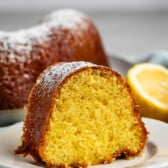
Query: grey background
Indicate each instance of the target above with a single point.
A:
(130, 29)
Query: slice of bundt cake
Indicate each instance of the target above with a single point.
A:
(81, 114)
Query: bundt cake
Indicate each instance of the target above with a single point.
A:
(81, 114)
(64, 35)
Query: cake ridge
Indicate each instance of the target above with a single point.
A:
(20, 40)
(24, 54)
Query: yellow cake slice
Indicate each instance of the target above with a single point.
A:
(81, 114)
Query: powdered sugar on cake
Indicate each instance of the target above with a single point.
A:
(66, 18)
(23, 40)
(56, 74)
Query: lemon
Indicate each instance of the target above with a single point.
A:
(149, 84)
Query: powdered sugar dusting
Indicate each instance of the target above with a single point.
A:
(66, 18)
(23, 40)
(56, 74)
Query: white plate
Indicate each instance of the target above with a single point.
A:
(120, 65)
(155, 154)
(11, 116)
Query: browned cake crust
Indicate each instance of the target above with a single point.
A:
(65, 35)
(41, 101)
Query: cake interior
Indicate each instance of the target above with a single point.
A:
(92, 121)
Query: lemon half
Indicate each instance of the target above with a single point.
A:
(149, 84)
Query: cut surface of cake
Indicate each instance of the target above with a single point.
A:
(81, 114)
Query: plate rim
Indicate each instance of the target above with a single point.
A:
(147, 121)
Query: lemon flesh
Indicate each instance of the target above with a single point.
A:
(149, 84)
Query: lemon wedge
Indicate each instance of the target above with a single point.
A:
(149, 84)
